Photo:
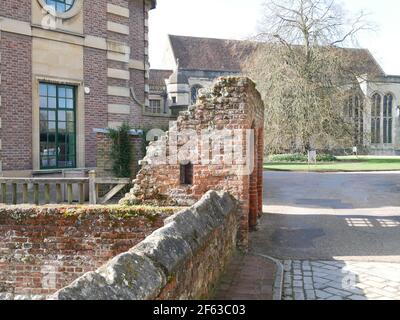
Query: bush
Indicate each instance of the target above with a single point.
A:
(121, 151)
(295, 157)
(300, 157)
(326, 158)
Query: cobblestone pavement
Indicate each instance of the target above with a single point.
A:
(341, 280)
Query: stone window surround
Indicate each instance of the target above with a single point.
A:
(76, 8)
(80, 116)
(394, 118)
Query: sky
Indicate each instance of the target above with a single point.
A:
(238, 19)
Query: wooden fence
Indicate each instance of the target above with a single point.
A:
(11, 189)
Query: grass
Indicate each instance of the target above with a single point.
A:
(344, 164)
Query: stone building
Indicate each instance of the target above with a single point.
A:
(69, 68)
(197, 62)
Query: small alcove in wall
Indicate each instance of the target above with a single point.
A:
(186, 173)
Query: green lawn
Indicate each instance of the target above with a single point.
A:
(344, 164)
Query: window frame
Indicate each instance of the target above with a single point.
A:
(57, 122)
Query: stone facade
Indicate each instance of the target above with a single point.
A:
(233, 103)
(181, 261)
(99, 47)
(45, 249)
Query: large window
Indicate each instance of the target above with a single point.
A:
(376, 118)
(387, 118)
(382, 119)
(355, 111)
(57, 126)
(60, 5)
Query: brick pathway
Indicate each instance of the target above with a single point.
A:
(341, 280)
(248, 277)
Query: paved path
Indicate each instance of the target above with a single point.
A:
(347, 224)
(341, 280)
(247, 277)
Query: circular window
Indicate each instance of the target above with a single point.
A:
(62, 9)
(60, 5)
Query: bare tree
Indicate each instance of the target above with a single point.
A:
(305, 74)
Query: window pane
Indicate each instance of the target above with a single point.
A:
(69, 93)
(62, 116)
(52, 103)
(69, 104)
(52, 90)
(43, 90)
(70, 116)
(61, 92)
(43, 102)
(52, 115)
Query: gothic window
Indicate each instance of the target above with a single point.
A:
(61, 5)
(376, 118)
(355, 111)
(195, 92)
(387, 118)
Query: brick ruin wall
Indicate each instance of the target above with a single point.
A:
(233, 103)
(182, 260)
(44, 249)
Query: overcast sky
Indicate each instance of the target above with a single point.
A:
(237, 19)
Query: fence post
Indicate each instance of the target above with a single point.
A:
(92, 187)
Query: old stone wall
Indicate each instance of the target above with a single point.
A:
(44, 249)
(234, 105)
(182, 260)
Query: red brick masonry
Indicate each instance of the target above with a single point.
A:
(44, 249)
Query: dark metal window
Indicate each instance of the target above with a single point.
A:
(60, 5)
(387, 118)
(376, 118)
(57, 126)
(355, 111)
(186, 174)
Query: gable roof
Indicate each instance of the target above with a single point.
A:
(157, 79)
(211, 54)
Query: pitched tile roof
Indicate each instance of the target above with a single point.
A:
(157, 79)
(228, 55)
(210, 54)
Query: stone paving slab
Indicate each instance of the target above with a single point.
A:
(247, 277)
(341, 280)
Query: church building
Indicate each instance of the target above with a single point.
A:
(195, 63)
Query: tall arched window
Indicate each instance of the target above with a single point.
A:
(355, 111)
(387, 118)
(359, 119)
(376, 118)
(195, 92)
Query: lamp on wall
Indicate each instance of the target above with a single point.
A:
(398, 111)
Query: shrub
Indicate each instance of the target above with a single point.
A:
(300, 157)
(121, 151)
(295, 157)
(326, 158)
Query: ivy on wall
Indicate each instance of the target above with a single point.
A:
(121, 151)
